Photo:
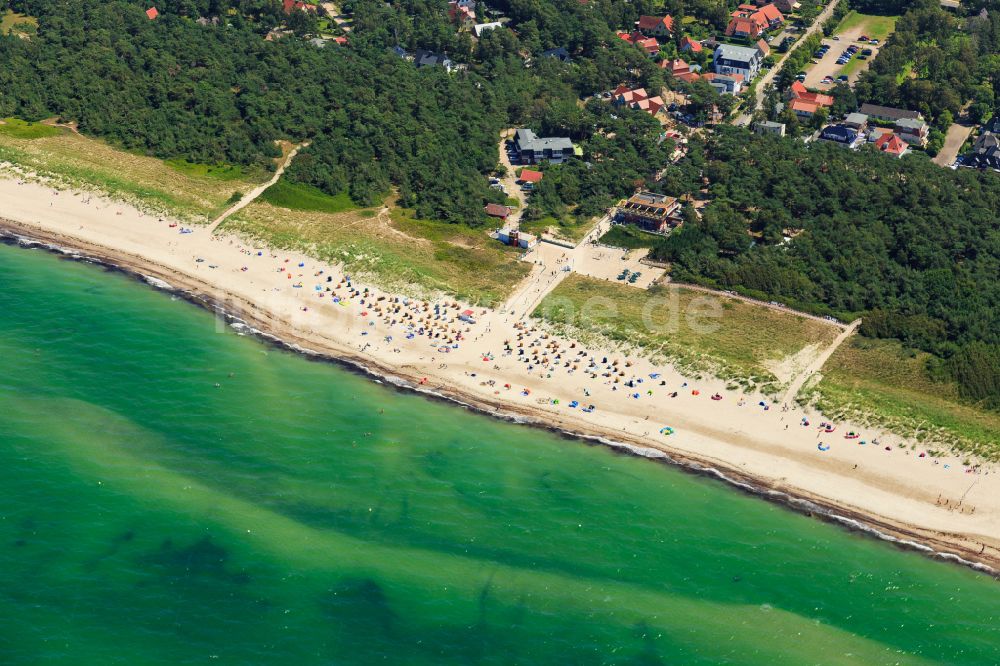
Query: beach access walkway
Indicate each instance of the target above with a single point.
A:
(800, 380)
(248, 198)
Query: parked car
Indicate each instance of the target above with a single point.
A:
(863, 38)
(842, 78)
(867, 52)
(801, 76)
(873, 41)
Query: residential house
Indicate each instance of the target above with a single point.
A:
(803, 108)
(785, 6)
(340, 40)
(637, 99)
(749, 22)
(288, 6)
(318, 42)
(424, 58)
(768, 127)
(152, 13)
(647, 44)
(725, 84)
(655, 26)
(798, 91)
(730, 59)
(857, 121)
(560, 54)
(842, 135)
(888, 113)
(530, 177)
(675, 67)
(764, 49)
(912, 130)
(689, 45)
(462, 13)
(497, 210)
(532, 149)
(891, 144)
(649, 211)
(985, 152)
(480, 28)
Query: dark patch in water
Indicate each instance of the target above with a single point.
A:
(202, 559)
(359, 602)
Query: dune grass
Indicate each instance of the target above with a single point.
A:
(394, 250)
(194, 192)
(300, 196)
(882, 383)
(698, 332)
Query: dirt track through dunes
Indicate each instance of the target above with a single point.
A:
(257, 191)
(817, 365)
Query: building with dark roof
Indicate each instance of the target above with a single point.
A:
(532, 149)
(888, 113)
(985, 152)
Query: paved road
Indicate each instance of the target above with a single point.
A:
(766, 80)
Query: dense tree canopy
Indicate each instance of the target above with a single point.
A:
(912, 247)
(222, 93)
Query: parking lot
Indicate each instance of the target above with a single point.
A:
(823, 74)
(852, 28)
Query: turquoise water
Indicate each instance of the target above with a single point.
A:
(297, 513)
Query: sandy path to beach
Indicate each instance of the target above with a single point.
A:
(503, 363)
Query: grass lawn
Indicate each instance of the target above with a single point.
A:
(874, 26)
(22, 129)
(12, 22)
(567, 229)
(91, 164)
(883, 383)
(217, 171)
(735, 340)
(300, 196)
(394, 250)
(629, 238)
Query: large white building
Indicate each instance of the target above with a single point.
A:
(730, 59)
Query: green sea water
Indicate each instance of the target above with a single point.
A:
(300, 514)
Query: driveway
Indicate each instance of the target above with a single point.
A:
(957, 134)
(509, 181)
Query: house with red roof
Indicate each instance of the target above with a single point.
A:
(497, 210)
(690, 45)
(675, 67)
(749, 22)
(656, 26)
(637, 99)
(803, 108)
(152, 13)
(647, 44)
(529, 176)
(288, 6)
(461, 13)
(891, 144)
(798, 91)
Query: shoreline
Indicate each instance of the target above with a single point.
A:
(249, 318)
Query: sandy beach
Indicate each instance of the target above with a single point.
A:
(502, 362)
